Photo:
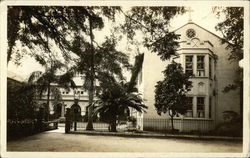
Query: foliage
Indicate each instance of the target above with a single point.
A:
(232, 125)
(231, 116)
(108, 61)
(34, 26)
(42, 82)
(20, 128)
(117, 97)
(21, 102)
(22, 116)
(102, 63)
(132, 119)
(232, 30)
(110, 67)
(68, 28)
(153, 23)
(114, 100)
(237, 83)
(170, 94)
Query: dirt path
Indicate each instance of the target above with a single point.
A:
(57, 140)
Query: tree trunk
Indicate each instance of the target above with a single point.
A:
(172, 123)
(113, 125)
(67, 120)
(9, 53)
(47, 108)
(90, 111)
(172, 120)
(91, 89)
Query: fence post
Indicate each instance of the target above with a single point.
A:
(67, 121)
(75, 125)
(165, 126)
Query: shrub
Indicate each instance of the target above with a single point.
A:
(232, 125)
(20, 128)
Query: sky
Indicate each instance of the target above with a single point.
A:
(201, 15)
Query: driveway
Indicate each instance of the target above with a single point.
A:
(58, 141)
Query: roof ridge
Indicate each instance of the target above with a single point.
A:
(191, 22)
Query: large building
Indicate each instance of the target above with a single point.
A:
(76, 98)
(202, 54)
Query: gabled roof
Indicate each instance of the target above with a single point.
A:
(201, 28)
(14, 76)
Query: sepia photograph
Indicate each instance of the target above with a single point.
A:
(124, 79)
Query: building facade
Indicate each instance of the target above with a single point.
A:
(201, 54)
(77, 99)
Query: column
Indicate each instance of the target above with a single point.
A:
(51, 109)
(67, 121)
(182, 60)
(139, 121)
(195, 65)
(213, 67)
(206, 62)
(207, 107)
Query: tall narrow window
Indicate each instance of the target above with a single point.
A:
(200, 66)
(210, 67)
(210, 107)
(189, 64)
(190, 107)
(201, 107)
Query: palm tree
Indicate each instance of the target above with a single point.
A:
(116, 97)
(43, 83)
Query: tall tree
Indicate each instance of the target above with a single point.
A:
(233, 35)
(170, 94)
(108, 64)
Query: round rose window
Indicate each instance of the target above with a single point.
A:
(190, 33)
